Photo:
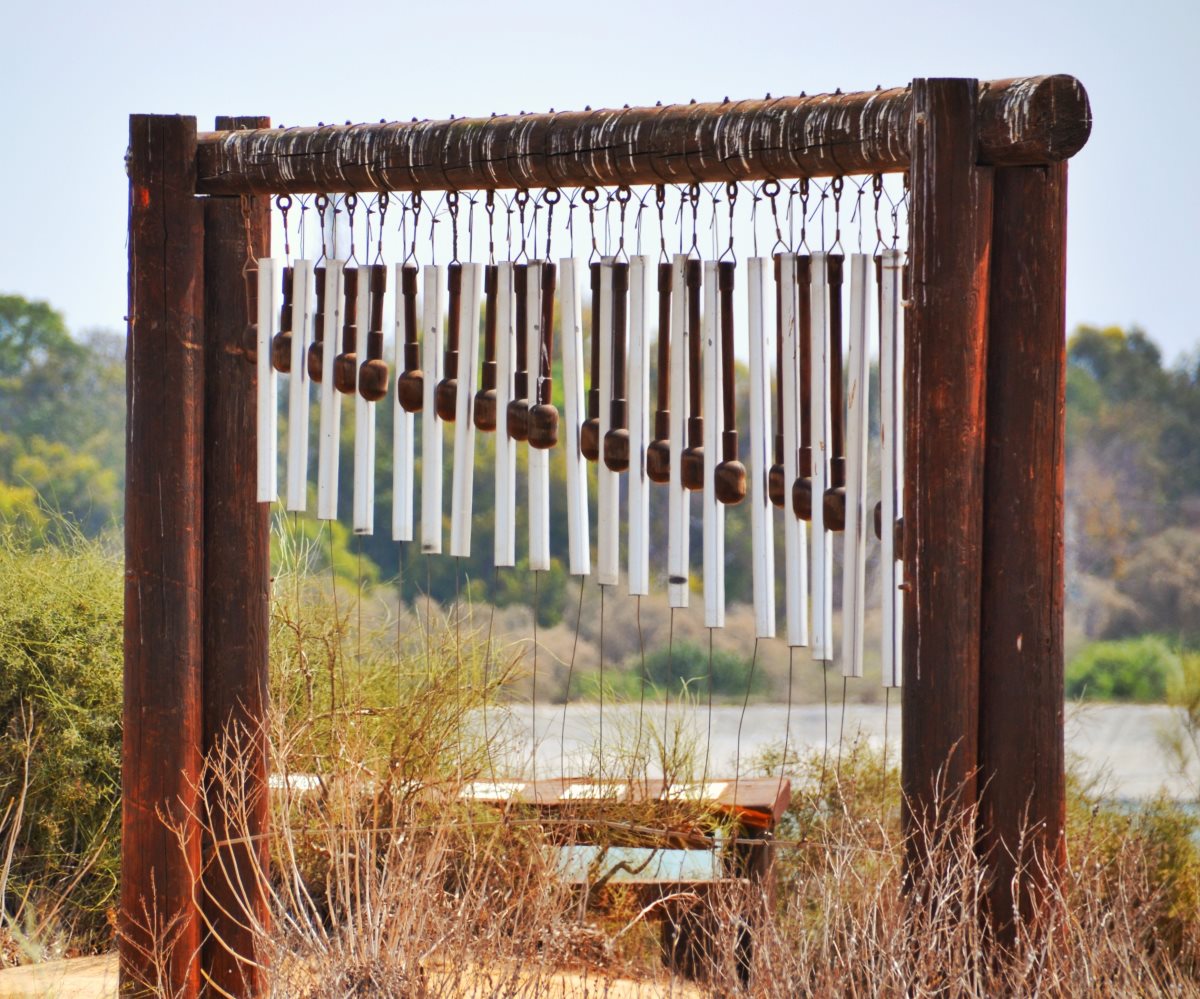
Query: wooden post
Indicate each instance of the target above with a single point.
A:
(1023, 784)
(946, 347)
(161, 743)
(236, 581)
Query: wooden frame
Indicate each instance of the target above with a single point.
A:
(982, 523)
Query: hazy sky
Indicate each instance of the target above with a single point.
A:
(71, 73)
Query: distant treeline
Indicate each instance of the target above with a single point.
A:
(1133, 478)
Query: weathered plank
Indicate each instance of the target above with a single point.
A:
(162, 737)
(1021, 762)
(1032, 120)
(946, 355)
(236, 580)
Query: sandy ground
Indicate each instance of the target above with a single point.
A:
(96, 978)
(78, 978)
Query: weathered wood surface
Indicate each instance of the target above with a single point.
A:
(1033, 120)
(236, 581)
(164, 490)
(946, 356)
(1021, 755)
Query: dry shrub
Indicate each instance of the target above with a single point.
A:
(385, 880)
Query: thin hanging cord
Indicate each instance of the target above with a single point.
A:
(637, 746)
(533, 689)
(458, 678)
(358, 598)
(825, 695)
(787, 720)
(667, 693)
(399, 615)
(737, 757)
(600, 757)
(842, 731)
(428, 620)
(562, 742)
(708, 737)
(887, 706)
(487, 666)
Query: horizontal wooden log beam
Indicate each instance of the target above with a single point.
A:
(1034, 120)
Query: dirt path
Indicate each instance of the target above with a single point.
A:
(96, 978)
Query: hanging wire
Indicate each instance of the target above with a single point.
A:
(770, 189)
(857, 214)
(637, 746)
(522, 199)
(489, 206)
(551, 197)
(731, 193)
(660, 202)
(571, 222)
(301, 227)
(737, 753)
(562, 743)
(321, 202)
(452, 208)
(622, 197)
(351, 203)
(836, 186)
(416, 223)
(713, 223)
(284, 204)
(637, 220)
(589, 197)
(693, 196)
(471, 202)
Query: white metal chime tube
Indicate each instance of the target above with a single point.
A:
(795, 535)
(403, 450)
(679, 503)
(539, 459)
(891, 435)
(608, 502)
(505, 548)
(331, 401)
(579, 543)
(642, 277)
(762, 526)
(364, 423)
(268, 309)
(433, 311)
(819, 421)
(461, 500)
(714, 512)
(298, 387)
(854, 550)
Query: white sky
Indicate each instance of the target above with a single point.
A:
(72, 72)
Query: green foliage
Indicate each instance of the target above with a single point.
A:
(60, 691)
(1133, 445)
(1155, 840)
(62, 412)
(1133, 669)
(687, 665)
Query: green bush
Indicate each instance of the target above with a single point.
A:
(688, 665)
(1131, 669)
(60, 694)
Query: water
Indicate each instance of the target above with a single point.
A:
(1123, 746)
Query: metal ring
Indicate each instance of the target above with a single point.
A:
(552, 196)
(589, 196)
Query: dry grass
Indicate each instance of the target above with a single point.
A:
(383, 881)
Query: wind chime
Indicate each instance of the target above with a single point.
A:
(474, 345)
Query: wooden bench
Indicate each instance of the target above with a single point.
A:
(674, 845)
